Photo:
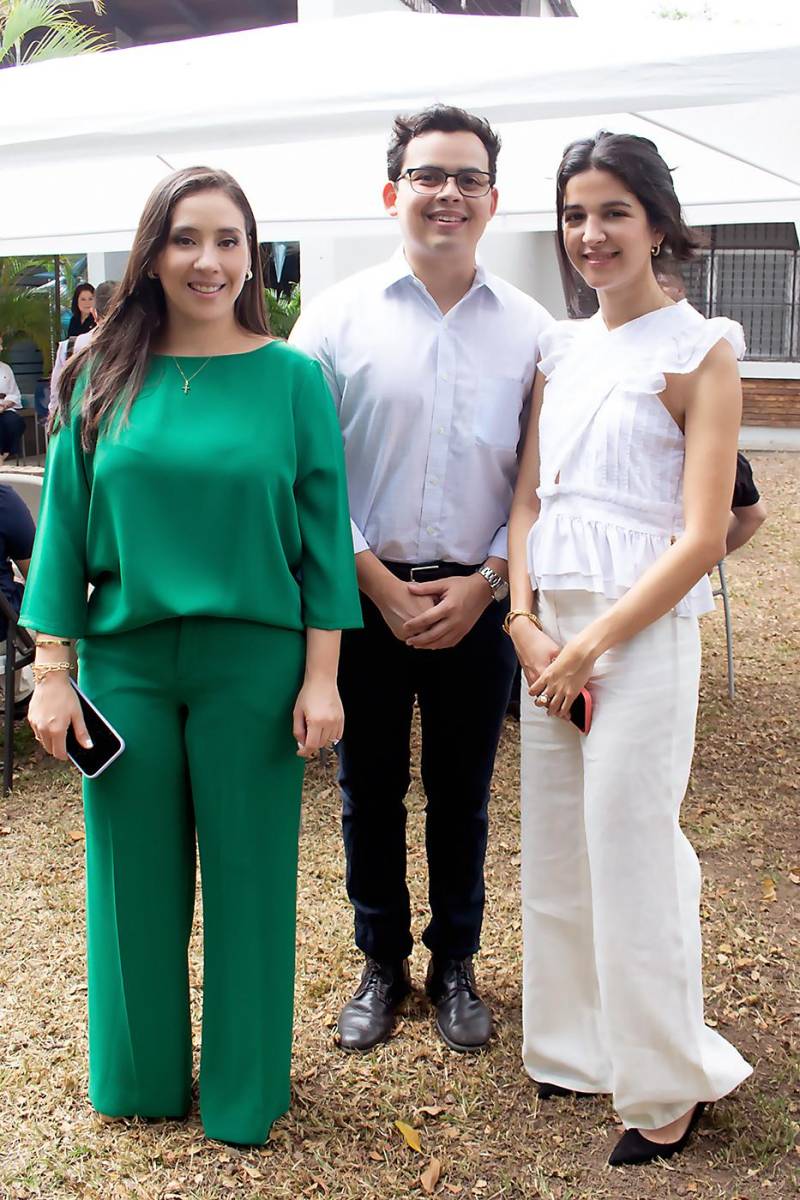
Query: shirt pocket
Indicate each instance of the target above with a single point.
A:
(498, 407)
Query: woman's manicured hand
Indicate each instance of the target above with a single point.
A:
(53, 708)
(318, 717)
(562, 679)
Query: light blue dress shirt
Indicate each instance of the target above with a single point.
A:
(431, 407)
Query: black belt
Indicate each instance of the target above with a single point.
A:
(425, 572)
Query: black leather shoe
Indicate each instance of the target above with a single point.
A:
(463, 1020)
(633, 1148)
(368, 1018)
(547, 1091)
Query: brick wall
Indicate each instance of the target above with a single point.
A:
(771, 402)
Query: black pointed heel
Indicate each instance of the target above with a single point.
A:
(634, 1149)
(547, 1091)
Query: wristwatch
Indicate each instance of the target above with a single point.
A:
(496, 582)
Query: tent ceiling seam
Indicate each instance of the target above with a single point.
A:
(747, 162)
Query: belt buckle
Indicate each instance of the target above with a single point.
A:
(428, 567)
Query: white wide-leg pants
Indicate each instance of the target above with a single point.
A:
(612, 988)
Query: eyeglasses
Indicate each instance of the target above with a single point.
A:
(429, 181)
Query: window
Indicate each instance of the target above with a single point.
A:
(751, 273)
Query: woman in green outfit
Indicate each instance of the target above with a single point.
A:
(196, 480)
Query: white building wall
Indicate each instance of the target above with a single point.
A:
(108, 265)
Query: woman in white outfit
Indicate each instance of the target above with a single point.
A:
(620, 511)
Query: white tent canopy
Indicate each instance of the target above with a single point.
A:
(300, 113)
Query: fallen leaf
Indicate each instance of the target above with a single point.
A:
(768, 893)
(76, 835)
(430, 1176)
(5, 830)
(410, 1134)
(792, 876)
(253, 1172)
(433, 1110)
(373, 1154)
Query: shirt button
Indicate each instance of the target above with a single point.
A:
(434, 481)
(444, 377)
(431, 529)
(440, 429)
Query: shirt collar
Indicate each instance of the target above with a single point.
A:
(397, 268)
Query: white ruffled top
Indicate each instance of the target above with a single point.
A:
(611, 456)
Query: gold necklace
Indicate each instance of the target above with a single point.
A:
(188, 379)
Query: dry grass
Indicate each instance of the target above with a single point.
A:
(485, 1127)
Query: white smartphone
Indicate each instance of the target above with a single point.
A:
(107, 743)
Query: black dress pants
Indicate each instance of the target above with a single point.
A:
(462, 694)
(12, 427)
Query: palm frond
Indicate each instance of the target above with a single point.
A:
(21, 17)
(64, 37)
(24, 311)
(282, 311)
(66, 41)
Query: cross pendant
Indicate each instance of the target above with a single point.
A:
(186, 387)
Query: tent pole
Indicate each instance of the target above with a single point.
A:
(55, 327)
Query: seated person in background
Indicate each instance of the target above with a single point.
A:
(16, 543)
(748, 511)
(73, 345)
(11, 423)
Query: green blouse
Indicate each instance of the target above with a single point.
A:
(229, 501)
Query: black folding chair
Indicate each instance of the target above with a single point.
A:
(20, 651)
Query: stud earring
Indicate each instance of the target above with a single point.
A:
(655, 250)
(248, 275)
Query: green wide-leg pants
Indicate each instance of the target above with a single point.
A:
(205, 708)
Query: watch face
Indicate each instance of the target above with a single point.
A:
(501, 591)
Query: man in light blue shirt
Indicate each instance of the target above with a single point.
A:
(430, 360)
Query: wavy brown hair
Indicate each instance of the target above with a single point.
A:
(119, 353)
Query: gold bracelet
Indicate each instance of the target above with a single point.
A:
(46, 640)
(520, 612)
(42, 669)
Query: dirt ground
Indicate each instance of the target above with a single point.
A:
(479, 1129)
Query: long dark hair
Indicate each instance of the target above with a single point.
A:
(636, 162)
(119, 352)
(82, 287)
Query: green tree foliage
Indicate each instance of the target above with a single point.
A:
(35, 30)
(24, 311)
(282, 311)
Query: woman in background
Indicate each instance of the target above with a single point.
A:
(620, 511)
(83, 318)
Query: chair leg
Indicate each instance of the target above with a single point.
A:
(728, 629)
(8, 755)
